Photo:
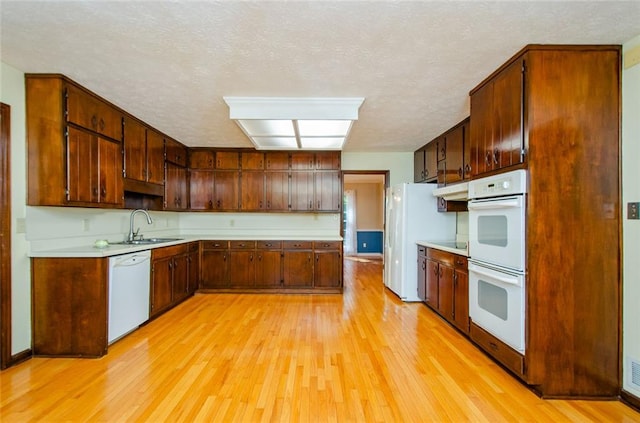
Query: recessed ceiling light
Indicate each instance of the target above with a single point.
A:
(295, 123)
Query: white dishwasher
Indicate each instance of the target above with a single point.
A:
(129, 287)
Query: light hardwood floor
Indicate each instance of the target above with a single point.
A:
(360, 356)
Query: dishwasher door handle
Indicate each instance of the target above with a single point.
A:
(131, 260)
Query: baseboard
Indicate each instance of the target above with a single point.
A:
(19, 358)
(630, 399)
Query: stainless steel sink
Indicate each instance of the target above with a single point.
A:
(146, 241)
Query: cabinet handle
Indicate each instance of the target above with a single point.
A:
(496, 156)
(467, 168)
(443, 151)
(260, 204)
(218, 204)
(210, 204)
(423, 265)
(426, 173)
(435, 271)
(487, 158)
(317, 258)
(460, 172)
(101, 124)
(440, 272)
(94, 121)
(251, 257)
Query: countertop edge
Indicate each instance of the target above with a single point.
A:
(434, 244)
(89, 251)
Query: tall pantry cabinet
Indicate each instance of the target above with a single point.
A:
(555, 110)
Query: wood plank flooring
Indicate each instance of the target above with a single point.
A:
(360, 356)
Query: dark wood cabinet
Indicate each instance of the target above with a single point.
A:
(446, 285)
(201, 189)
(143, 152)
(419, 165)
(555, 110)
(227, 190)
(252, 190)
(454, 166)
(425, 163)
(175, 152)
(276, 160)
(328, 191)
(169, 277)
(268, 264)
(298, 268)
(327, 271)
(252, 160)
(70, 306)
(214, 267)
(276, 191)
(202, 159)
(303, 160)
(193, 262)
(73, 145)
(175, 188)
(242, 264)
(227, 160)
(301, 191)
(328, 160)
(422, 273)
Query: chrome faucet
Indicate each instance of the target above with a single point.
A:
(132, 235)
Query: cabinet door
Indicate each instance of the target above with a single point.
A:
(454, 168)
(227, 160)
(302, 160)
(175, 152)
(82, 167)
(328, 160)
(175, 187)
(252, 160)
(466, 151)
(277, 191)
(201, 183)
(445, 291)
(508, 102)
(87, 111)
(327, 269)
(431, 161)
(110, 172)
(161, 287)
(180, 277)
(201, 159)
(242, 269)
(214, 269)
(268, 268)
(298, 269)
(155, 157)
(461, 300)
(277, 160)
(432, 283)
(328, 192)
(418, 165)
(227, 190)
(252, 191)
(422, 276)
(135, 149)
(481, 130)
(193, 261)
(302, 191)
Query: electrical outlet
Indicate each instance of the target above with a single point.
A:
(364, 245)
(633, 211)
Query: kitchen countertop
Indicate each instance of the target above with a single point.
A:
(460, 248)
(117, 249)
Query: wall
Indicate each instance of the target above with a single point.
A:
(631, 228)
(12, 93)
(399, 165)
(369, 205)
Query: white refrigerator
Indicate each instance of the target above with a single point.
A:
(412, 215)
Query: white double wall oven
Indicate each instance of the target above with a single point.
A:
(497, 259)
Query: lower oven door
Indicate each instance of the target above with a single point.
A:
(496, 303)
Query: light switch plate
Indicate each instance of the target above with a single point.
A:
(633, 210)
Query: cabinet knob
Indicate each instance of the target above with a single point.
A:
(496, 156)
(460, 172)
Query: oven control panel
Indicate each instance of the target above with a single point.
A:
(509, 183)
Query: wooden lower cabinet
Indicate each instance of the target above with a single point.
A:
(193, 263)
(169, 277)
(70, 305)
(272, 265)
(446, 282)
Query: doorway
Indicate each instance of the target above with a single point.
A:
(363, 216)
(5, 236)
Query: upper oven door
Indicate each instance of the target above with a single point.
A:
(497, 231)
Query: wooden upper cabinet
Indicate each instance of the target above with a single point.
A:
(155, 157)
(455, 167)
(328, 160)
(328, 191)
(73, 145)
(276, 191)
(276, 160)
(302, 160)
(202, 159)
(418, 165)
(201, 189)
(135, 149)
(496, 136)
(90, 112)
(431, 161)
(252, 191)
(227, 160)
(227, 190)
(252, 160)
(175, 152)
(175, 188)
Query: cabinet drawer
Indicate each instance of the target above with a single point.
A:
(215, 245)
(171, 251)
(460, 262)
(297, 245)
(498, 349)
(269, 245)
(194, 246)
(328, 245)
(422, 251)
(243, 245)
(441, 256)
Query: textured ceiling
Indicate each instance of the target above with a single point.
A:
(170, 63)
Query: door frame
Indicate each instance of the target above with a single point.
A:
(5, 236)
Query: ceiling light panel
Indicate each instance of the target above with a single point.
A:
(323, 128)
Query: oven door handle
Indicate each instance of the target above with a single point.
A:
(492, 205)
(503, 279)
